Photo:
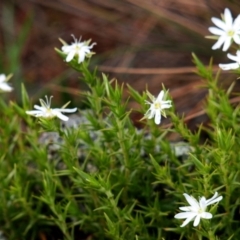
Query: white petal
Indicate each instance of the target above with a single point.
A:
(228, 41)
(236, 38)
(215, 200)
(228, 17)
(66, 49)
(70, 56)
(185, 215)
(206, 215)
(81, 56)
(233, 57)
(39, 108)
(219, 42)
(229, 66)
(238, 54)
(236, 24)
(5, 87)
(203, 203)
(196, 221)
(61, 116)
(2, 78)
(151, 113)
(166, 105)
(85, 50)
(213, 197)
(192, 201)
(189, 219)
(185, 209)
(216, 31)
(186, 222)
(219, 23)
(157, 117)
(33, 112)
(160, 96)
(67, 110)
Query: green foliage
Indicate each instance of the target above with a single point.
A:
(105, 179)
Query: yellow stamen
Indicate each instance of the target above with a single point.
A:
(157, 105)
(230, 33)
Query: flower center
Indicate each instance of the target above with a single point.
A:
(77, 48)
(230, 33)
(157, 105)
(49, 112)
(200, 210)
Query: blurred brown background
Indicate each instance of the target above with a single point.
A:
(140, 42)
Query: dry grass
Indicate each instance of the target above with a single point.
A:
(143, 43)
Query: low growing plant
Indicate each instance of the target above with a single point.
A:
(94, 175)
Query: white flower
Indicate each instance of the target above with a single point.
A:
(45, 111)
(3, 83)
(230, 66)
(196, 210)
(227, 30)
(157, 106)
(77, 48)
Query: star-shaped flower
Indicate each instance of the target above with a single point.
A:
(227, 30)
(196, 210)
(4, 86)
(234, 65)
(44, 111)
(78, 49)
(156, 107)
